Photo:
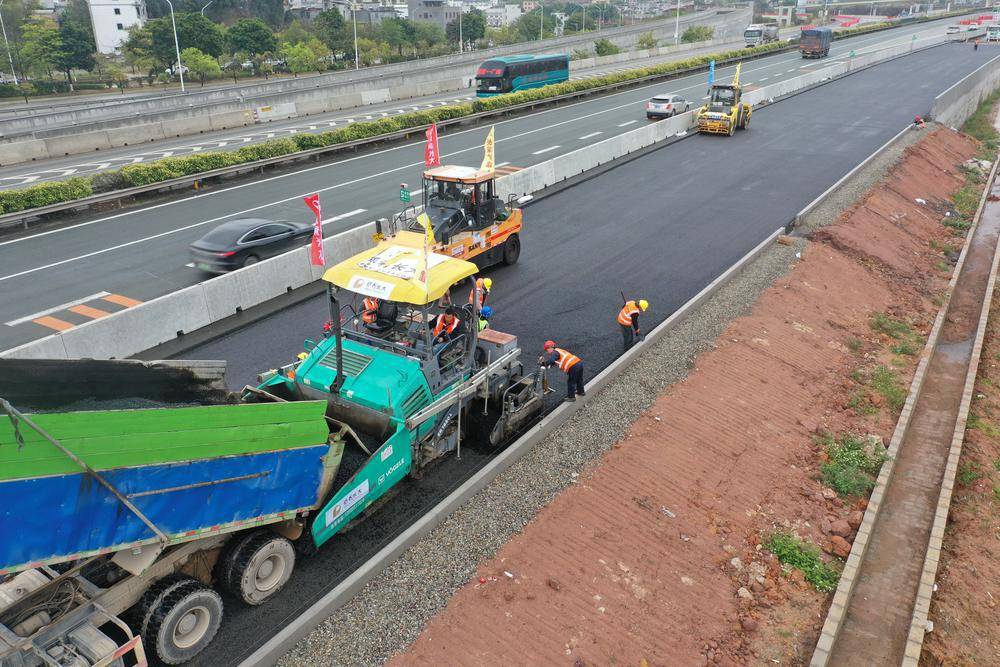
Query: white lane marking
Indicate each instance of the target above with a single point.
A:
(546, 150)
(258, 182)
(220, 144)
(335, 218)
(312, 127)
(706, 97)
(331, 123)
(791, 70)
(30, 179)
(270, 135)
(167, 154)
(137, 160)
(806, 66)
(350, 120)
(502, 164)
(54, 309)
(292, 130)
(763, 78)
(626, 123)
(590, 136)
(195, 149)
(246, 139)
(67, 172)
(383, 114)
(190, 265)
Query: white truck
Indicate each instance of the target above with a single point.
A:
(760, 33)
(993, 33)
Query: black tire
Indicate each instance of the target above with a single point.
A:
(261, 567)
(746, 122)
(511, 250)
(250, 260)
(227, 561)
(180, 620)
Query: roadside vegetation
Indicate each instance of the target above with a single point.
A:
(804, 556)
(852, 463)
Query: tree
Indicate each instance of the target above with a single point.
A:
(298, 57)
(251, 36)
(697, 33)
(202, 66)
(647, 41)
(295, 33)
(138, 49)
(40, 45)
(78, 12)
(321, 54)
(473, 27)
(18, 16)
(193, 31)
(604, 47)
(396, 33)
(331, 28)
(77, 49)
(427, 35)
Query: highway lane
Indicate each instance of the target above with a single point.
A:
(19, 175)
(646, 227)
(140, 253)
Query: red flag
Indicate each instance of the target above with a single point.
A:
(432, 157)
(316, 249)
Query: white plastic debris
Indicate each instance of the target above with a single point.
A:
(508, 574)
(922, 202)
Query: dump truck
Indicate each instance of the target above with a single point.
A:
(121, 521)
(815, 42)
(760, 33)
(726, 111)
(469, 220)
(410, 395)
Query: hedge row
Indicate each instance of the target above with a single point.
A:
(43, 194)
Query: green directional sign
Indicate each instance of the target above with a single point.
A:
(404, 195)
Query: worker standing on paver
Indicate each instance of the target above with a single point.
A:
(628, 319)
(482, 286)
(568, 363)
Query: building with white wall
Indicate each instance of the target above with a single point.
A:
(501, 16)
(112, 19)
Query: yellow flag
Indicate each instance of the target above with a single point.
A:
(736, 76)
(488, 153)
(425, 222)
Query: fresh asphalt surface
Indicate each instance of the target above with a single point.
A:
(141, 253)
(659, 227)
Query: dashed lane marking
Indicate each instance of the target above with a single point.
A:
(56, 309)
(122, 300)
(626, 123)
(546, 150)
(590, 136)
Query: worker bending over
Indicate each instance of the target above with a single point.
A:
(628, 318)
(568, 363)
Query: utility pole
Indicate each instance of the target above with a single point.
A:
(10, 58)
(206, 6)
(677, 24)
(177, 46)
(461, 44)
(541, 20)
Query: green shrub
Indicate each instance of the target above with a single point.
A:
(804, 556)
(853, 464)
(308, 141)
(265, 150)
(106, 181)
(144, 174)
(44, 194)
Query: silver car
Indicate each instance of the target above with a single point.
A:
(665, 106)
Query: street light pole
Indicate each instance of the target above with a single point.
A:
(677, 24)
(206, 7)
(354, 20)
(10, 58)
(461, 49)
(541, 20)
(177, 46)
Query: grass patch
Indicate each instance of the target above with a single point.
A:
(966, 199)
(805, 557)
(883, 324)
(854, 344)
(904, 348)
(886, 382)
(988, 429)
(853, 464)
(968, 473)
(980, 125)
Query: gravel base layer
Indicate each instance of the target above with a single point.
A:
(389, 612)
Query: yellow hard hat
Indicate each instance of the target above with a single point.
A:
(301, 356)
(488, 283)
(643, 304)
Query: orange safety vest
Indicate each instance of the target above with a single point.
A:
(369, 310)
(566, 360)
(626, 313)
(482, 293)
(446, 324)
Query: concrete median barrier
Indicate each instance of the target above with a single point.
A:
(72, 144)
(954, 106)
(137, 134)
(16, 152)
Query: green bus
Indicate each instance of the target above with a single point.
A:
(513, 73)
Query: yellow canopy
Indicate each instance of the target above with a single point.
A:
(391, 270)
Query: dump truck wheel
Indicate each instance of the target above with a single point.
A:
(511, 250)
(224, 577)
(261, 568)
(182, 620)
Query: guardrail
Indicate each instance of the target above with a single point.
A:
(174, 315)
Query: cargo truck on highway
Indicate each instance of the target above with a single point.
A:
(993, 33)
(121, 520)
(815, 42)
(760, 33)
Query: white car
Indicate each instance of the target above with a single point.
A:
(953, 30)
(666, 106)
(972, 27)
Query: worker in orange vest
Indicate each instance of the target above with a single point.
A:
(483, 285)
(568, 363)
(369, 310)
(446, 326)
(628, 319)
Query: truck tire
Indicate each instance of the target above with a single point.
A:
(511, 250)
(180, 620)
(227, 561)
(261, 567)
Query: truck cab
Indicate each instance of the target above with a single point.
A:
(469, 220)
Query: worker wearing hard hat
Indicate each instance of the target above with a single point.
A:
(568, 363)
(484, 317)
(628, 319)
(483, 286)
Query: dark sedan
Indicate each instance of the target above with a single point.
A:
(239, 243)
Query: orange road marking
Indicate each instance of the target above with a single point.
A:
(121, 300)
(53, 323)
(87, 311)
